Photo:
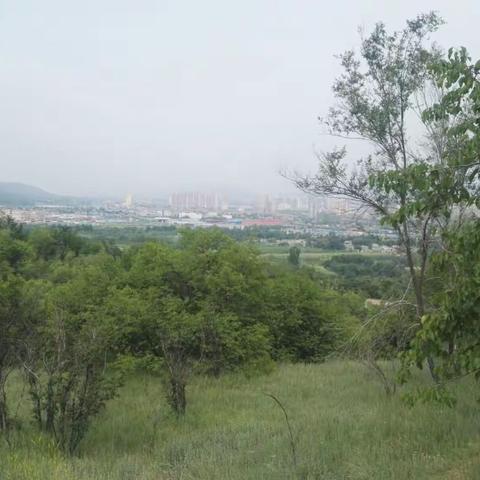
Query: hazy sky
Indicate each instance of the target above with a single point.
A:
(151, 96)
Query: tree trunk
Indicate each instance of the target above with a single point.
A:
(36, 400)
(3, 412)
(418, 289)
(431, 367)
(178, 398)
(3, 404)
(50, 409)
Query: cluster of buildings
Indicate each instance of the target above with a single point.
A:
(299, 218)
(264, 205)
(300, 214)
(51, 215)
(374, 248)
(197, 201)
(313, 206)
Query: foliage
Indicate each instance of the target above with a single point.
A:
(77, 315)
(377, 93)
(202, 307)
(450, 330)
(76, 344)
(307, 323)
(294, 256)
(459, 108)
(11, 334)
(378, 276)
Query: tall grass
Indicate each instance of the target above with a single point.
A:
(343, 426)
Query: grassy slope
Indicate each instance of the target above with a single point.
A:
(345, 427)
(313, 257)
(309, 257)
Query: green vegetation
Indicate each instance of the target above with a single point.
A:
(375, 94)
(127, 236)
(373, 276)
(450, 331)
(78, 315)
(266, 239)
(294, 256)
(422, 186)
(194, 354)
(343, 426)
(369, 274)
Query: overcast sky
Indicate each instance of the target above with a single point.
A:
(101, 97)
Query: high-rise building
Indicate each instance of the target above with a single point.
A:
(128, 201)
(197, 201)
(264, 205)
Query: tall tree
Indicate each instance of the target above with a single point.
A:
(450, 331)
(14, 253)
(294, 256)
(11, 332)
(378, 94)
(70, 362)
(201, 307)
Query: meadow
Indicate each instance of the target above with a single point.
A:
(313, 257)
(343, 426)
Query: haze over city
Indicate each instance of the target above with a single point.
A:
(150, 97)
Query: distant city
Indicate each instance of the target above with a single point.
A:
(298, 214)
(194, 208)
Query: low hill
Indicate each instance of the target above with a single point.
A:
(20, 194)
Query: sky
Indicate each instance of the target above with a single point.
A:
(105, 97)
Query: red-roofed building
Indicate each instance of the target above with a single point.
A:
(261, 222)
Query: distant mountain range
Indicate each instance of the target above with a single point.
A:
(19, 194)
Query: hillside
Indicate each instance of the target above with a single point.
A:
(22, 194)
(344, 427)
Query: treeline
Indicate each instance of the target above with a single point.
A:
(133, 235)
(77, 316)
(371, 276)
(128, 235)
(333, 241)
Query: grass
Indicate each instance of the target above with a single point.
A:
(344, 428)
(264, 248)
(315, 258)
